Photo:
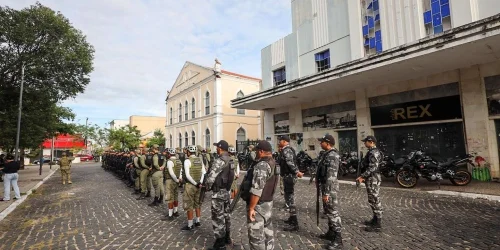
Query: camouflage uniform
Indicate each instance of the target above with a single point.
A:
(137, 169)
(260, 231)
(144, 174)
(289, 170)
(373, 179)
(221, 218)
(65, 163)
(157, 177)
(330, 188)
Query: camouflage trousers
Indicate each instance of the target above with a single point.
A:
(260, 231)
(144, 180)
(332, 212)
(137, 179)
(157, 179)
(66, 175)
(289, 186)
(373, 190)
(221, 218)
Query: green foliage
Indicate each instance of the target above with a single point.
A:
(57, 63)
(124, 138)
(158, 138)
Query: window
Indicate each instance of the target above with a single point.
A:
(171, 115)
(180, 112)
(322, 60)
(241, 136)
(437, 16)
(240, 111)
(186, 138)
(193, 109)
(171, 141)
(180, 140)
(207, 103)
(207, 138)
(186, 111)
(372, 34)
(279, 76)
(193, 138)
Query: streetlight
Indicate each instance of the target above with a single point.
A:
(19, 114)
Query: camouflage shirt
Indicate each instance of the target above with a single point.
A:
(372, 162)
(261, 173)
(215, 170)
(331, 161)
(288, 156)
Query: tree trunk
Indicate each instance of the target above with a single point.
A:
(21, 158)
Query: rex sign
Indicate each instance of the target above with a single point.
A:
(444, 108)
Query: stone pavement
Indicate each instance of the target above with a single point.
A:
(98, 212)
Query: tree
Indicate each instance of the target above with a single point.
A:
(57, 63)
(126, 137)
(158, 138)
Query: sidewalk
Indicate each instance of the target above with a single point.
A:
(29, 178)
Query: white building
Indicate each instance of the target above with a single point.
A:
(116, 124)
(415, 73)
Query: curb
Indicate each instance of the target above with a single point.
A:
(16, 203)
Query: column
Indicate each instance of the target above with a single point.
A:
(363, 118)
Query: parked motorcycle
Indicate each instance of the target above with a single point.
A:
(390, 166)
(421, 165)
(348, 163)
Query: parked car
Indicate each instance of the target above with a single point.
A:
(85, 157)
(45, 161)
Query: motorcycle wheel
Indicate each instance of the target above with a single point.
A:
(462, 178)
(406, 178)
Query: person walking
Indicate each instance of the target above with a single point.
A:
(11, 177)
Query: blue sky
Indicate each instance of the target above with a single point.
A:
(141, 46)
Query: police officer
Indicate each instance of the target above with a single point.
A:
(172, 173)
(258, 191)
(234, 186)
(371, 177)
(219, 179)
(131, 169)
(157, 176)
(289, 172)
(328, 168)
(194, 172)
(144, 174)
(65, 163)
(137, 171)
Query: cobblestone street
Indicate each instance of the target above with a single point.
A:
(99, 212)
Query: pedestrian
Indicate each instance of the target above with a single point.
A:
(194, 172)
(65, 164)
(328, 168)
(289, 172)
(371, 177)
(258, 191)
(11, 177)
(172, 174)
(219, 180)
(157, 176)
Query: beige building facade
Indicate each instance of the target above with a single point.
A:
(199, 111)
(147, 124)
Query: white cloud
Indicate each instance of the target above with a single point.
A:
(142, 45)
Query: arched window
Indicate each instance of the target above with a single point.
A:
(193, 109)
(170, 141)
(180, 140)
(207, 138)
(186, 111)
(207, 103)
(186, 139)
(241, 136)
(193, 138)
(240, 111)
(171, 115)
(180, 112)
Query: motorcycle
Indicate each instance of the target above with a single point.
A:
(348, 163)
(421, 165)
(390, 166)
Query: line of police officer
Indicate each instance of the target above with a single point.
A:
(257, 189)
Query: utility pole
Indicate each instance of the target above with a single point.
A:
(19, 114)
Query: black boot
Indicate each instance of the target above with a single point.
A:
(376, 227)
(289, 221)
(154, 203)
(148, 194)
(294, 226)
(337, 242)
(160, 201)
(370, 222)
(329, 235)
(228, 239)
(141, 197)
(218, 245)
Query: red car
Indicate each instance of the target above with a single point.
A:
(85, 157)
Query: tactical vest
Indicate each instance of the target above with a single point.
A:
(366, 160)
(285, 169)
(161, 159)
(205, 160)
(270, 186)
(322, 170)
(196, 166)
(149, 160)
(177, 169)
(138, 162)
(64, 162)
(225, 178)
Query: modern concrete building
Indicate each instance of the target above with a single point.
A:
(116, 124)
(419, 73)
(147, 124)
(199, 110)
